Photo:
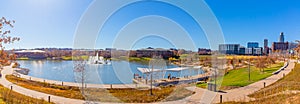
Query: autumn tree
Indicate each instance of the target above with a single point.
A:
(232, 62)
(297, 49)
(5, 38)
(270, 60)
(261, 63)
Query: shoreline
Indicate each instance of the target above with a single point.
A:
(79, 84)
(71, 78)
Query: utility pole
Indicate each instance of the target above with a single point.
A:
(249, 69)
(151, 93)
(215, 80)
(156, 63)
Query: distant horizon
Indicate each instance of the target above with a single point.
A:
(245, 45)
(53, 23)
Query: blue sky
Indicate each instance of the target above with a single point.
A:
(52, 23)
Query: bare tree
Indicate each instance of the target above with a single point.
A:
(155, 63)
(80, 72)
(270, 61)
(261, 64)
(233, 62)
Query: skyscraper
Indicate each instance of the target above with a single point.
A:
(281, 45)
(252, 45)
(265, 43)
(266, 47)
(281, 38)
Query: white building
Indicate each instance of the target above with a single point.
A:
(248, 51)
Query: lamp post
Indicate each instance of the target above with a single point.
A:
(215, 79)
(157, 63)
(151, 79)
(249, 69)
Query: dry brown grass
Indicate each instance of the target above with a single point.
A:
(284, 91)
(64, 91)
(10, 97)
(132, 95)
(128, 95)
(290, 82)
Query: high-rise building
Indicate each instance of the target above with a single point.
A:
(242, 50)
(281, 45)
(229, 48)
(281, 38)
(254, 51)
(248, 51)
(266, 47)
(257, 51)
(266, 42)
(252, 45)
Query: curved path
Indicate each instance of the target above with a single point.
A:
(238, 94)
(241, 93)
(231, 95)
(87, 85)
(56, 99)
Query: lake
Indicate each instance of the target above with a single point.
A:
(118, 72)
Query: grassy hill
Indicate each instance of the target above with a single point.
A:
(284, 91)
(10, 97)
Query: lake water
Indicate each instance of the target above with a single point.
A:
(118, 72)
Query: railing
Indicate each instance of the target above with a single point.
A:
(282, 68)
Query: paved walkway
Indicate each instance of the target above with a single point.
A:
(238, 94)
(56, 99)
(87, 85)
(7, 70)
(230, 95)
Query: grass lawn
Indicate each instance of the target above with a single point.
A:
(280, 92)
(23, 58)
(239, 57)
(201, 85)
(128, 95)
(10, 97)
(66, 57)
(84, 57)
(289, 82)
(239, 77)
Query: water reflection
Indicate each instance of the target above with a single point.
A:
(98, 74)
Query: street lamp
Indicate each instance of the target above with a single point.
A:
(158, 63)
(215, 79)
(151, 92)
(249, 69)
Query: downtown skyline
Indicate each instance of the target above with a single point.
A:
(52, 23)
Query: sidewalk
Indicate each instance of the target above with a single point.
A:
(238, 94)
(56, 99)
(230, 95)
(87, 85)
